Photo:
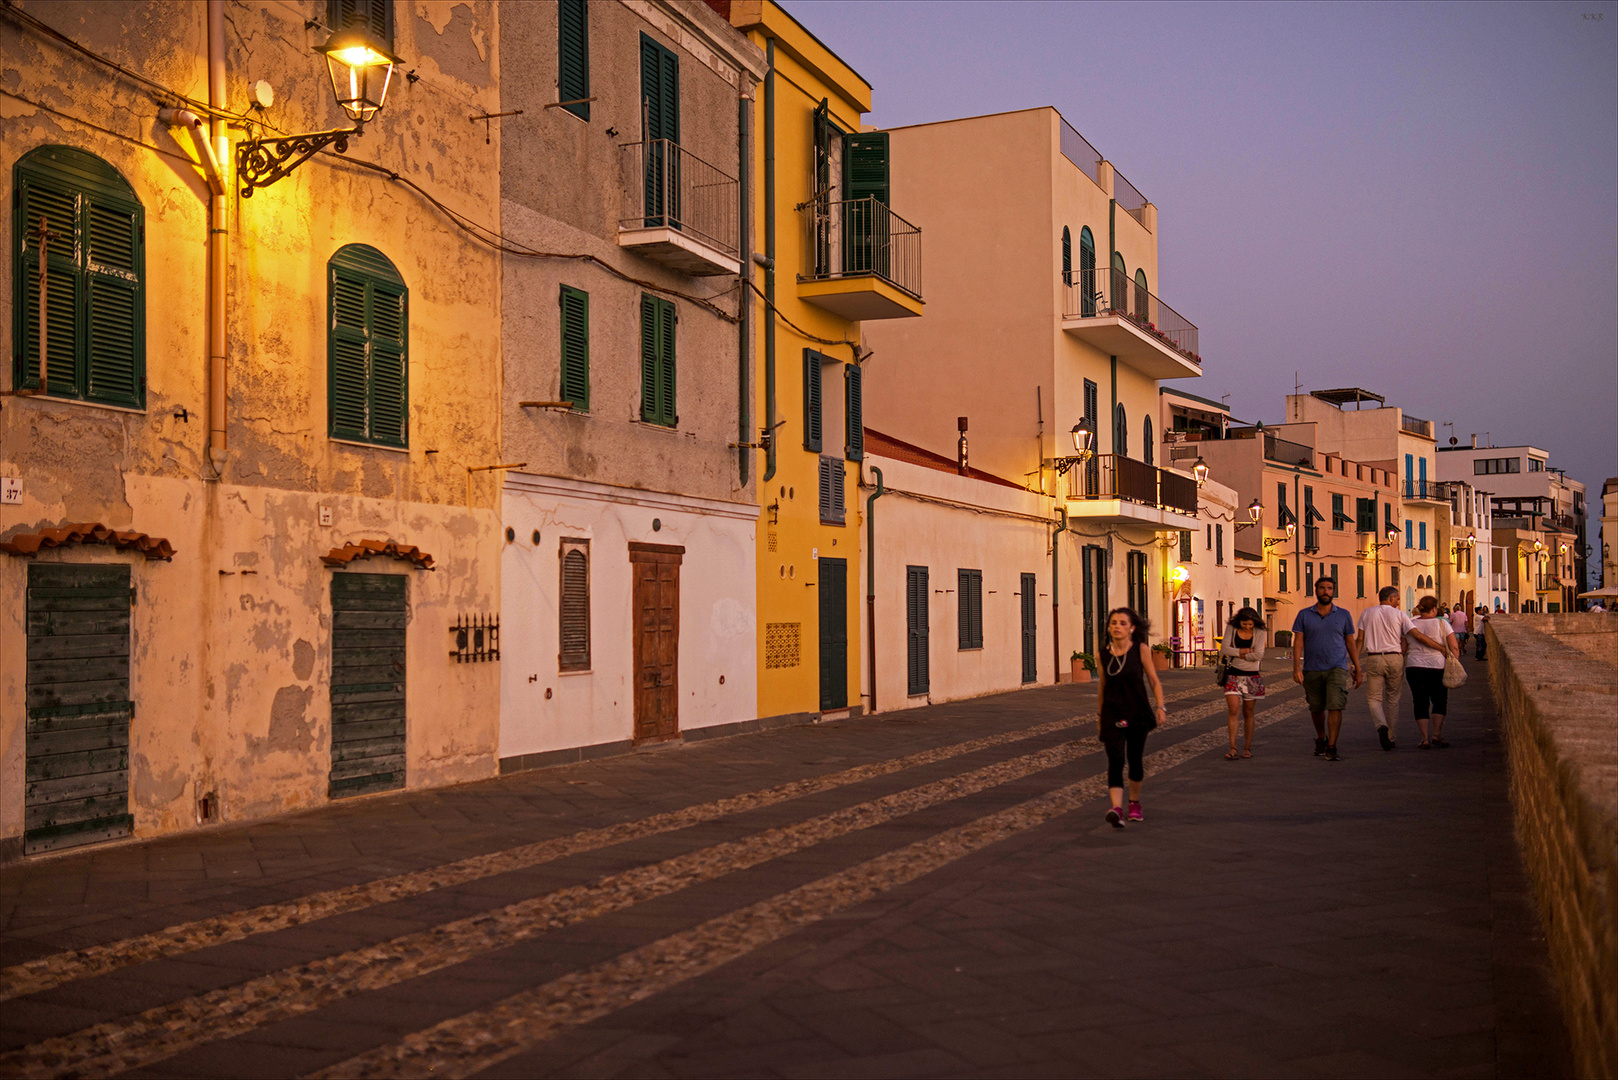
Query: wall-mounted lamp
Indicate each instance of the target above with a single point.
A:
(1083, 436)
(1255, 510)
(360, 68)
(1200, 471)
(1292, 530)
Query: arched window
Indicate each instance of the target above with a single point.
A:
(1142, 309)
(1087, 272)
(1120, 432)
(1067, 256)
(1118, 290)
(95, 271)
(1146, 453)
(367, 348)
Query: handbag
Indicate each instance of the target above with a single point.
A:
(1221, 673)
(1454, 673)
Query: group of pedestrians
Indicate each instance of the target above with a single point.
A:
(1386, 651)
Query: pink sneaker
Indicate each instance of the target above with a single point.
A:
(1134, 812)
(1116, 817)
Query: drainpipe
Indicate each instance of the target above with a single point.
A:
(1056, 622)
(217, 239)
(744, 417)
(769, 264)
(870, 579)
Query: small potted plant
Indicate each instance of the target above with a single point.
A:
(1162, 655)
(1083, 664)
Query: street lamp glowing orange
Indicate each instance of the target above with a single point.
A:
(360, 69)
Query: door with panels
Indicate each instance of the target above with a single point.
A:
(833, 587)
(918, 676)
(656, 599)
(369, 613)
(1028, 594)
(76, 743)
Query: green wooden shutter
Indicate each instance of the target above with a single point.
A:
(865, 166)
(1087, 272)
(348, 368)
(854, 401)
(58, 204)
(657, 361)
(660, 90)
(916, 659)
(667, 320)
(368, 348)
(812, 409)
(390, 375)
(573, 55)
(375, 16)
(648, 359)
(113, 294)
(575, 305)
(1067, 256)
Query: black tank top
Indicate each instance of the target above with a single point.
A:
(1123, 696)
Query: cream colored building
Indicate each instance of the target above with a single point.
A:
(1465, 543)
(1609, 533)
(240, 526)
(1042, 313)
(627, 565)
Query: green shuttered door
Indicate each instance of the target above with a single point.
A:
(917, 675)
(660, 97)
(77, 744)
(367, 683)
(1030, 628)
(833, 633)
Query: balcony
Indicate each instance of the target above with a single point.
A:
(681, 211)
(1424, 491)
(1109, 310)
(863, 260)
(1285, 452)
(1412, 425)
(1110, 487)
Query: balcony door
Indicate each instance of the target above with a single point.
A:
(660, 116)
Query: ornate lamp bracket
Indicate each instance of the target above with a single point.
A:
(262, 162)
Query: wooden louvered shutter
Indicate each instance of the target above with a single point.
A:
(812, 414)
(1087, 272)
(854, 402)
(1067, 256)
(824, 490)
(573, 55)
(575, 380)
(865, 166)
(838, 476)
(113, 295)
(917, 674)
(666, 321)
(1185, 545)
(375, 16)
(648, 359)
(348, 368)
(58, 205)
(574, 609)
(390, 376)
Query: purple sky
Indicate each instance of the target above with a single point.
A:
(1418, 199)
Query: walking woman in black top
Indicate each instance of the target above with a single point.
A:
(1126, 714)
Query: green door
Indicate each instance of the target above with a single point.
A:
(660, 104)
(368, 613)
(1030, 628)
(833, 634)
(76, 780)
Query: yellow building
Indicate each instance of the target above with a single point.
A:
(833, 255)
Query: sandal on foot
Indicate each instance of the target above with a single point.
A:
(1440, 742)
(1247, 753)
(1424, 745)
(1231, 754)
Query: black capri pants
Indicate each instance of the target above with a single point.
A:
(1428, 691)
(1130, 742)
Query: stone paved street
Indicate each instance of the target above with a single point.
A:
(930, 893)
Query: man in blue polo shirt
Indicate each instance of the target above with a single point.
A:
(1323, 655)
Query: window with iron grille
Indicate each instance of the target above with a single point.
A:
(94, 279)
(782, 645)
(969, 594)
(574, 608)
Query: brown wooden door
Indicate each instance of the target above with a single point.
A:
(656, 570)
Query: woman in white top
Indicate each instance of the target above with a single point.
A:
(1241, 650)
(1430, 641)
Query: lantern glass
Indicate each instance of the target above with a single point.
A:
(1254, 510)
(1291, 530)
(360, 69)
(1081, 437)
(1200, 471)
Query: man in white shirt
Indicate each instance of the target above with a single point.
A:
(1381, 640)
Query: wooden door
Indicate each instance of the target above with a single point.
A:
(76, 747)
(1030, 628)
(833, 633)
(656, 569)
(368, 616)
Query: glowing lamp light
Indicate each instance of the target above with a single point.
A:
(1200, 471)
(1292, 530)
(360, 69)
(1393, 536)
(1082, 436)
(1254, 510)
(1180, 575)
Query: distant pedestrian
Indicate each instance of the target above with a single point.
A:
(1241, 650)
(1431, 641)
(1457, 624)
(1381, 642)
(1324, 656)
(1126, 713)
(1482, 624)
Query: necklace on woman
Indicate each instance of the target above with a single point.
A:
(1123, 662)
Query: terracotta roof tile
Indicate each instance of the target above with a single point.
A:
(367, 549)
(888, 446)
(89, 532)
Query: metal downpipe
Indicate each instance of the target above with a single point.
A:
(744, 298)
(870, 579)
(769, 266)
(1056, 621)
(218, 252)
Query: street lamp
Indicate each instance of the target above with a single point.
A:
(1255, 510)
(1083, 435)
(360, 67)
(1272, 541)
(1200, 471)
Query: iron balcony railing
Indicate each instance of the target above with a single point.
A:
(1110, 291)
(1416, 488)
(672, 188)
(859, 238)
(1416, 426)
(1286, 452)
(1113, 476)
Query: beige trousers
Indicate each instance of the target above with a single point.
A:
(1384, 682)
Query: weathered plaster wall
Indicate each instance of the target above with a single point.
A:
(231, 651)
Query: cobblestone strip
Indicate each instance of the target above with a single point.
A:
(161, 1032)
(477, 1040)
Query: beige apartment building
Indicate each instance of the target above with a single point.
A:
(1042, 319)
(246, 567)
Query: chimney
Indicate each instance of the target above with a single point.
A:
(960, 446)
(1474, 440)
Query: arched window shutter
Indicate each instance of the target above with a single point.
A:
(367, 348)
(1120, 435)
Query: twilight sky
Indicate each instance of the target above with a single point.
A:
(1419, 199)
